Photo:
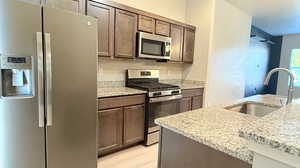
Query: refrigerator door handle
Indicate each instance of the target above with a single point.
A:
(49, 111)
(40, 79)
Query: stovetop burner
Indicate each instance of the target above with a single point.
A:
(149, 86)
(149, 80)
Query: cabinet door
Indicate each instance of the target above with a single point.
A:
(197, 102)
(125, 35)
(162, 28)
(134, 124)
(189, 45)
(186, 104)
(146, 24)
(177, 43)
(110, 130)
(106, 27)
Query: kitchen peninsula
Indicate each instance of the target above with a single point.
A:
(216, 137)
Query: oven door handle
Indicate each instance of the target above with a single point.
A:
(164, 99)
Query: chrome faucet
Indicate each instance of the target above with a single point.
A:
(291, 87)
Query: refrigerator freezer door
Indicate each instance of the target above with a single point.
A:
(22, 141)
(71, 139)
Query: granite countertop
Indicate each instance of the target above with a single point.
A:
(186, 84)
(191, 86)
(118, 91)
(117, 88)
(217, 127)
(280, 129)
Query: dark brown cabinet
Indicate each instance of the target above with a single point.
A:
(197, 102)
(106, 27)
(110, 130)
(118, 25)
(188, 45)
(185, 104)
(121, 122)
(177, 43)
(134, 121)
(192, 99)
(146, 24)
(125, 34)
(162, 28)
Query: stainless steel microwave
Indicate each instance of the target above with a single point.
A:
(154, 46)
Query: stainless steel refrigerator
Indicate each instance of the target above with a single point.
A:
(48, 87)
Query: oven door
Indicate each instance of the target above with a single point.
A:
(162, 107)
(154, 46)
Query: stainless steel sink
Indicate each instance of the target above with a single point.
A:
(255, 109)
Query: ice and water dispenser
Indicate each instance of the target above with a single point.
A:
(16, 77)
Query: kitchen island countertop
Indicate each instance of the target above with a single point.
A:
(217, 127)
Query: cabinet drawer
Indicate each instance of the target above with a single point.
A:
(108, 103)
(192, 92)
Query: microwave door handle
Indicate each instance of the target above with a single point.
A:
(49, 109)
(164, 53)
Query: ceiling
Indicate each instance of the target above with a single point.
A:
(277, 17)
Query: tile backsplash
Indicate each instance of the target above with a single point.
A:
(114, 70)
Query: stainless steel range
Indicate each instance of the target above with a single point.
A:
(162, 99)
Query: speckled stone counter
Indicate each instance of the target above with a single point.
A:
(118, 91)
(218, 128)
(191, 86)
(279, 130)
(186, 84)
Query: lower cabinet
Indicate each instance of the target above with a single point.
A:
(197, 102)
(110, 129)
(185, 104)
(192, 99)
(134, 121)
(121, 125)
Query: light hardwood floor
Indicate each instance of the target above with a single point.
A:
(134, 157)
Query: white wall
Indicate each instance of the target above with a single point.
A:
(173, 9)
(200, 14)
(114, 70)
(289, 42)
(227, 55)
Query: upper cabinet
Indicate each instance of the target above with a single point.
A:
(118, 25)
(106, 27)
(146, 24)
(189, 45)
(177, 43)
(125, 34)
(162, 28)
